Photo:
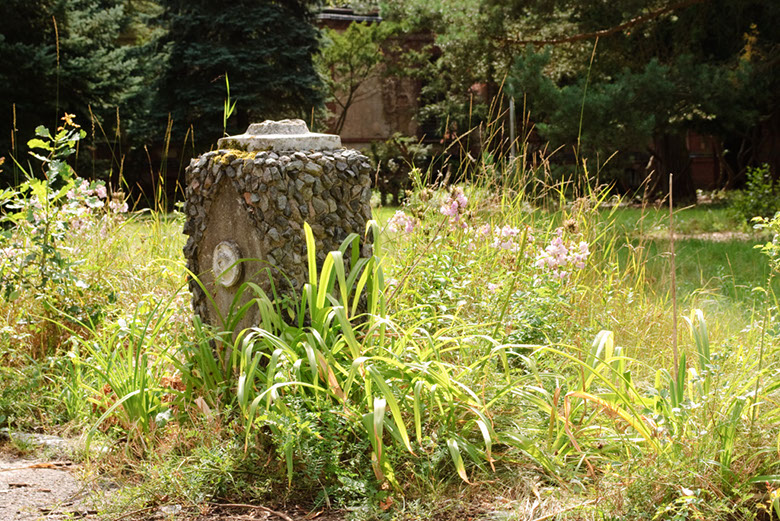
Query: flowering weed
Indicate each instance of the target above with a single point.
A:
(41, 216)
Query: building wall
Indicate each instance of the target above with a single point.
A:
(384, 104)
(704, 160)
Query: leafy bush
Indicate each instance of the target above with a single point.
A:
(759, 198)
(394, 160)
(378, 392)
(41, 214)
(39, 218)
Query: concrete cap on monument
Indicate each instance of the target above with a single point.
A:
(277, 136)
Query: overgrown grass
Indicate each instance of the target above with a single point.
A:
(653, 220)
(711, 271)
(718, 263)
(498, 340)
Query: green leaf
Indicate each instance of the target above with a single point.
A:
(326, 278)
(418, 388)
(311, 254)
(457, 459)
(106, 414)
(42, 131)
(387, 393)
(39, 157)
(770, 478)
(346, 330)
(39, 143)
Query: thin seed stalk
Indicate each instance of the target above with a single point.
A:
(674, 281)
(511, 290)
(761, 355)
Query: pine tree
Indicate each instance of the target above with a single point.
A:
(661, 68)
(96, 72)
(27, 74)
(60, 56)
(264, 47)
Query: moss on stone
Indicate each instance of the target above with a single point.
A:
(233, 154)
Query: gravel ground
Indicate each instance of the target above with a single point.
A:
(37, 489)
(47, 487)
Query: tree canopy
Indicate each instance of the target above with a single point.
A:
(264, 47)
(626, 75)
(60, 56)
(138, 64)
(659, 69)
(347, 60)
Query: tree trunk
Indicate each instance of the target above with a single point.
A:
(671, 156)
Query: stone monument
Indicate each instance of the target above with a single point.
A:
(248, 202)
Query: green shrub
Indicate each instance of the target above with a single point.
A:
(40, 220)
(759, 198)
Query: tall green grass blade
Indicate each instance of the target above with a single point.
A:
(728, 433)
(766, 478)
(346, 330)
(376, 422)
(418, 408)
(106, 414)
(311, 254)
(326, 278)
(457, 459)
(395, 410)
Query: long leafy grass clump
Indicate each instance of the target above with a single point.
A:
(504, 331)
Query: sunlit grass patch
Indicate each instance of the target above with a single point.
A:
(489, 338)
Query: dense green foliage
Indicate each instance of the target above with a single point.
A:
(492, 338)
(760, 196)
(503, 333)
(61, 56)
(626, 77)
(265, 48)
(130, 66)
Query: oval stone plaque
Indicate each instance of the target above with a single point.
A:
(224, 263)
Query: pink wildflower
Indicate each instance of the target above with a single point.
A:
(454, 206)
(401, 221)
(450, 208)
(118, 206)
(78, 224)
(84, 188)
(559, 256)
(484, 230)
(8, 253)
(506, 237)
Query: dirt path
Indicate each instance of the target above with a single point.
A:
(48, 487)
(32, 489)
(710, 236)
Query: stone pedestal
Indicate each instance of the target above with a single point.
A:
(249, 200)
